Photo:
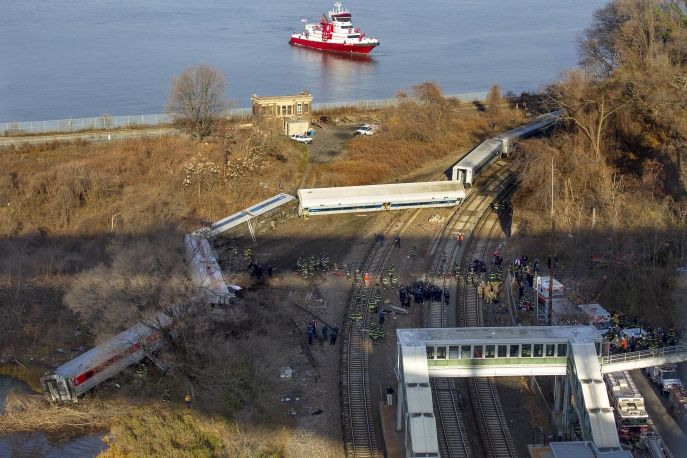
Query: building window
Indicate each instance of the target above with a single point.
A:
(490, 351)
(538, 350)
(526, 351)
(288, 110)
(477, 351)
(562, 349)
(550, 350)
(454, 352)
(306, 107)
(514, 351)
(502, 351)
(465, 352)
(299, 108)
(430, 352)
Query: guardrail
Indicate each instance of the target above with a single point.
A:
(644, 354)
(107, 121)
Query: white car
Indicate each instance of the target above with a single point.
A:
(302, 138)
(365, 129)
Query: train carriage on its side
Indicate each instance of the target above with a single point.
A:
(76, 377)
(397, 196)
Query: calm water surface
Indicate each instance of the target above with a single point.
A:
(62, 58)
(37, 445)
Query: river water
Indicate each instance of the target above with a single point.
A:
(36, 445)
(70, 58)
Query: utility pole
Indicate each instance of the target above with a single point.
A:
(549, 309)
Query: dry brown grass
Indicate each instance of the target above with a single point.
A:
(27, 413)
(412, 134)
(29, 375)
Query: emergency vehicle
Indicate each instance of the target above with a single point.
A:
(631, 417)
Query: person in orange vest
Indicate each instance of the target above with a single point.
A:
(366, 277)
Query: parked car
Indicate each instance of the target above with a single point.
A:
(302, 138)
(365, 129)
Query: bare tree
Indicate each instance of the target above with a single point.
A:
(589, 104)
(494, 100)
(196, 99)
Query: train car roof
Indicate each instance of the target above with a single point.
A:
(397, 192)
(533, 126)
(482, 152)
(101, 353)
(258, 209)
(205, 270)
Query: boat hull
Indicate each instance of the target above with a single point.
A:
(349, 48)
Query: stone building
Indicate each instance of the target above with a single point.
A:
(291, 112)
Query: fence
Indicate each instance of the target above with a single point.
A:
(151, 120)
(644, 354)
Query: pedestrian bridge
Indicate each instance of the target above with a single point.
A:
(572, 352)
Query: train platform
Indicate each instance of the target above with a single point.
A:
(394, 442)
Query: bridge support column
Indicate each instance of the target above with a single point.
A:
(400, 402)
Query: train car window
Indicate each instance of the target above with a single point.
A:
(477, 351)
(538, 350)
(465, 352)
(562, 349)
(490, 351)
(526, 351)
(502, 351)
(514, 351)
(550, 350)
(441, 352)
(430, 352)
(454, 352)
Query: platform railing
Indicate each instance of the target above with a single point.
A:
(645, 354)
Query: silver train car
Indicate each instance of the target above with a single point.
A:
(486, 153)
(265, 207)
(206, 274)
(397, 196)
(76, 377)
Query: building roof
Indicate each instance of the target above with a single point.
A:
(519, 334)
(275, 98)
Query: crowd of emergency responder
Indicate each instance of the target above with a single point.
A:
(628, 333)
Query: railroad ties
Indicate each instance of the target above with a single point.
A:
(360, 439)
(454, 440)
(493, 427)
(490, 418)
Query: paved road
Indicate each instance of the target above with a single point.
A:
(657, 407)
(94, 136)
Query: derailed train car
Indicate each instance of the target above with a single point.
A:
(397, 196)
(486, 153)
(76, 377)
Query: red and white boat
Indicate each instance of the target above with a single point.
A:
(335, 33)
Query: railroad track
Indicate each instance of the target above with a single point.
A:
(494, 432)
(360, 439)
(453, 436)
